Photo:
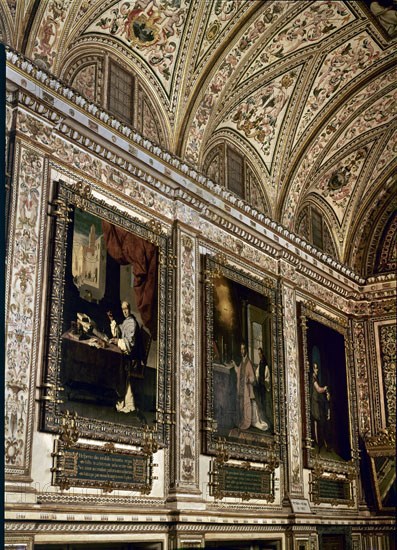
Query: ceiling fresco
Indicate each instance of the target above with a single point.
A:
(307, 89)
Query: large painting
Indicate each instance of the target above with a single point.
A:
(330, 432)
(107, 297)
(241, 364)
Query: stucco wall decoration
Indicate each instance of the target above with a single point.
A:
(88, 164)
(318, 288)
(85, 73)
(85, 81)
(22, 306)
(363, 391)
(187, 394)
(149, 124)
(240, 248)
(386, 257)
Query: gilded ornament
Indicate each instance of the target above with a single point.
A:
(68, 432)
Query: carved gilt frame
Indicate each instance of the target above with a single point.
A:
(66, 199)
(250, 444)
(317, 329)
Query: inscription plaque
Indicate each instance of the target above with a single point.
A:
(101, 467)
(243, 481)
(333, 491)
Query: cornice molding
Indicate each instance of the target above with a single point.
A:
(180, 172)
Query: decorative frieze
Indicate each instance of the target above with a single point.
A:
(41, 76)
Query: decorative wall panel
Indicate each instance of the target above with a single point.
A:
(294, 428)
(27, 230)
(186, 474)
(363, 391)
(387, 338)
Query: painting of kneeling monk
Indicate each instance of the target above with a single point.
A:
(242, 373)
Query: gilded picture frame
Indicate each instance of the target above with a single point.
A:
(106, 342)
(328, 401)
(241, 316)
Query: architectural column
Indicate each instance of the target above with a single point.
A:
(23, 284)
(186, 435)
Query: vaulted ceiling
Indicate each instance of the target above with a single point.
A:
(307, 90)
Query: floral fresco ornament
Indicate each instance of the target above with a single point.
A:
(259, 115)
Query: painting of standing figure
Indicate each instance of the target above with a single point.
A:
(241, 361)
(327, 395)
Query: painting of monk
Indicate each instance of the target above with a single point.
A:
(241, 331)
(109, 327)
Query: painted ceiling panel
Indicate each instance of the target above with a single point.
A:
(260, 116)
(49, 23)
(307, 90)
(220, 78)
(338, 69)
(379, 112)
(221, 15)
(151, 29)
(309, 27)
(12, 5)
(318, 153)
(336, 185)
(386, 162)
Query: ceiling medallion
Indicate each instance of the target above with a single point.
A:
(338, 179)
(213, 30)
(142, 31)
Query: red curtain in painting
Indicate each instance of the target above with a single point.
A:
(126, 248)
